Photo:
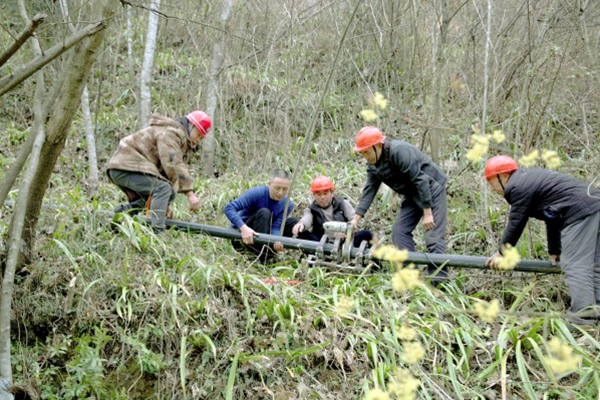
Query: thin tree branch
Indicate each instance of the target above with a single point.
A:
(11, 81)
(22, 38)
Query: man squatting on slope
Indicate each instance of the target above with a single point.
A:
(151, 165)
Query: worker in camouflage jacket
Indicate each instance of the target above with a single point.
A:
(150, 166)
(571, 210)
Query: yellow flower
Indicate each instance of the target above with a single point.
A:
(403, 385)
(391, 254)
(405, 278)
(480, 147)
(368, 115)
(379, 101)
(509, 259)
(344, 305)
(405, 332)
(561, 357)
(498, 136)
(551, 159)
(377, 394)
(413, 352)
(530, 159)
(487, 312)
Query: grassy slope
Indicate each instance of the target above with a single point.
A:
(133, 315)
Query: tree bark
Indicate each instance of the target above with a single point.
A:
(208, 151)
(146, 76)
(64, 108)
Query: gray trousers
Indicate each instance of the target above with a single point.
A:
(139, 187)
(580, 261)
(409, 216)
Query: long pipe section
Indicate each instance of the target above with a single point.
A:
(311, 247)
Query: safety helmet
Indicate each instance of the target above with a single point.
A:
(499, 165)
(367, 137)
(320, 184)
(200, 121)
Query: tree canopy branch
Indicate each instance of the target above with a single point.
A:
(11, 81)
(22, 38)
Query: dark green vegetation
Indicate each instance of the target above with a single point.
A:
(128, 314)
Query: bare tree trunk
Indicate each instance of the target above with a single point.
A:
(208, 151)
(146, 76)
(65, 106)
(92, 182)
(129, 33)
(486, 62)
(14, 241)
(438, 71)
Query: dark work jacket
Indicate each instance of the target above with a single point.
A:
(407, 171)
(557, 199)
(319, 216)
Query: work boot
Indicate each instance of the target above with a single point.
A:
(131, 208)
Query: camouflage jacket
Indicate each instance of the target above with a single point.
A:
(162, 149)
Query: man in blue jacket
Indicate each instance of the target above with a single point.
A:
(260, 210)
(571, 210)
(410, 173)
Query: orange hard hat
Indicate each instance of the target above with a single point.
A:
(320, 184)
(499, 165)
(367, 137)
(200, 121)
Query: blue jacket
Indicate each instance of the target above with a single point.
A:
(245, 206)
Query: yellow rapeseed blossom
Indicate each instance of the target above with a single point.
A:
(405, 332)
(405, 278)
(509, 259)
(551, 159)
(530, 159)
(498, 136)
(377, 394)
(391, 254)
(561, 357)
(344, 305)
(368, 115)
(413, 352)
(403, 385)
(487, 312)
(480, 145)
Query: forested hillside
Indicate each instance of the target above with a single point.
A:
(93, 308)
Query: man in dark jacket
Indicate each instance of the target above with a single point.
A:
(150, 166)
(410, 173)
(571, 210)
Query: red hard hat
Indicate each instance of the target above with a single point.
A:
(200, 121)
(499, 165)
(367, 137)
(320, 184)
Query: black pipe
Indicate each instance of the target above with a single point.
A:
(311, 247)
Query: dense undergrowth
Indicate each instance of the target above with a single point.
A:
(118, 312)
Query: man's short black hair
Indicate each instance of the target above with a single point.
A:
(281, 174)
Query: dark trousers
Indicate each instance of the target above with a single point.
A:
(138, 188)
(409, 216)
(261, 222)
